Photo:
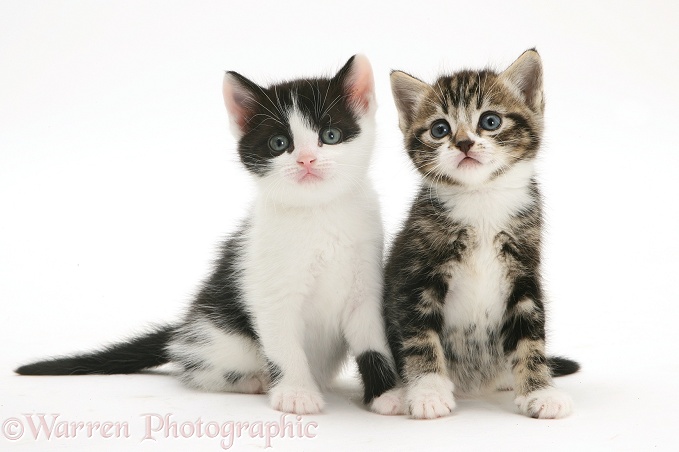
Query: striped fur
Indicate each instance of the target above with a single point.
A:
(463, 300)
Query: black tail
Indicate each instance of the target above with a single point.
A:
(138, 353)
(562, 366)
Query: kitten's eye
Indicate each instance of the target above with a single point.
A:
(331, 135)
(440, 128)
(490, 121)
(279, 143)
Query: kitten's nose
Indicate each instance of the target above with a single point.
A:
(464, 145)
(306, 160)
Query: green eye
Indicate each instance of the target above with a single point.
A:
(490, 121)
(279, 143)
(440, 128)
(331, 135)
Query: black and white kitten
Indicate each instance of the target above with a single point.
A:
(463, 300)
(300, 283)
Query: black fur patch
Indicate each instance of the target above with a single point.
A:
(233, 377)
(562, 366)
(275, 372)
(137, 354)
(221, 298)
(377, 374)
(322, 102)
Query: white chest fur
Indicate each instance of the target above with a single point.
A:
(291, 250)
(479, 285)
(304, 264)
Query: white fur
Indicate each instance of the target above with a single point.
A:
(390, 403)
(547, 403)
(312, 265)
(476, 284)
(487, 209)
(310, 270)
(293, 399)
(490, 206)
(212, 346)
(430, 396)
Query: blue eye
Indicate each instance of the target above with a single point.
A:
(490, 121)
(440, 128)
(279, 143)
(331, 135)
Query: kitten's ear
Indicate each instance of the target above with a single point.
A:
(356, 78)
(408, 93)
(525, 74)
(240, 96)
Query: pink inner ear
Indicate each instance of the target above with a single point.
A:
(236, 101)
(360, 85)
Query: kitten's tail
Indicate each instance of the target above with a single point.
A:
(133, 355)
(562, 366)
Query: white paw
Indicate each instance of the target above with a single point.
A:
(430, 396)
(296, 400)
(547, 403)
(389, 403)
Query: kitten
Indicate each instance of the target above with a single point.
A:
(300, 283)
(463, 300)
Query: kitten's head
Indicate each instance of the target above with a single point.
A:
(471, 127)
(307, 140)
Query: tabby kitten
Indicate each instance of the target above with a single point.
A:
(300, 283)
(463, 300)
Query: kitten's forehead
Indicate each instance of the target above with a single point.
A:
(302, 129)
(319, 102)
(464, 92)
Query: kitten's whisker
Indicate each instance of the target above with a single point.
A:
(267, 109)
(332, 104)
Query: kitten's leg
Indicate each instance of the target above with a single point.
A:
(421, 359)
(524, 344)
(420, 289)
(293, 387)
(280, 326)
(363, 326)
(429, 390)
(214, 360)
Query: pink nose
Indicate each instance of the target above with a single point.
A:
(306, 160)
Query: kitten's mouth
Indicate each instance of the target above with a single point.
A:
(309, 176)
(468, 162)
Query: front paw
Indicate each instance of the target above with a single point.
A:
(296, 400)
(546, 403)
(430, 396)
(390, 403)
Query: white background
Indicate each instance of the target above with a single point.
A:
(118, 178)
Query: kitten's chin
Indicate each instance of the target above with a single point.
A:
(468, 173)
(481, 175)
(307, 190)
